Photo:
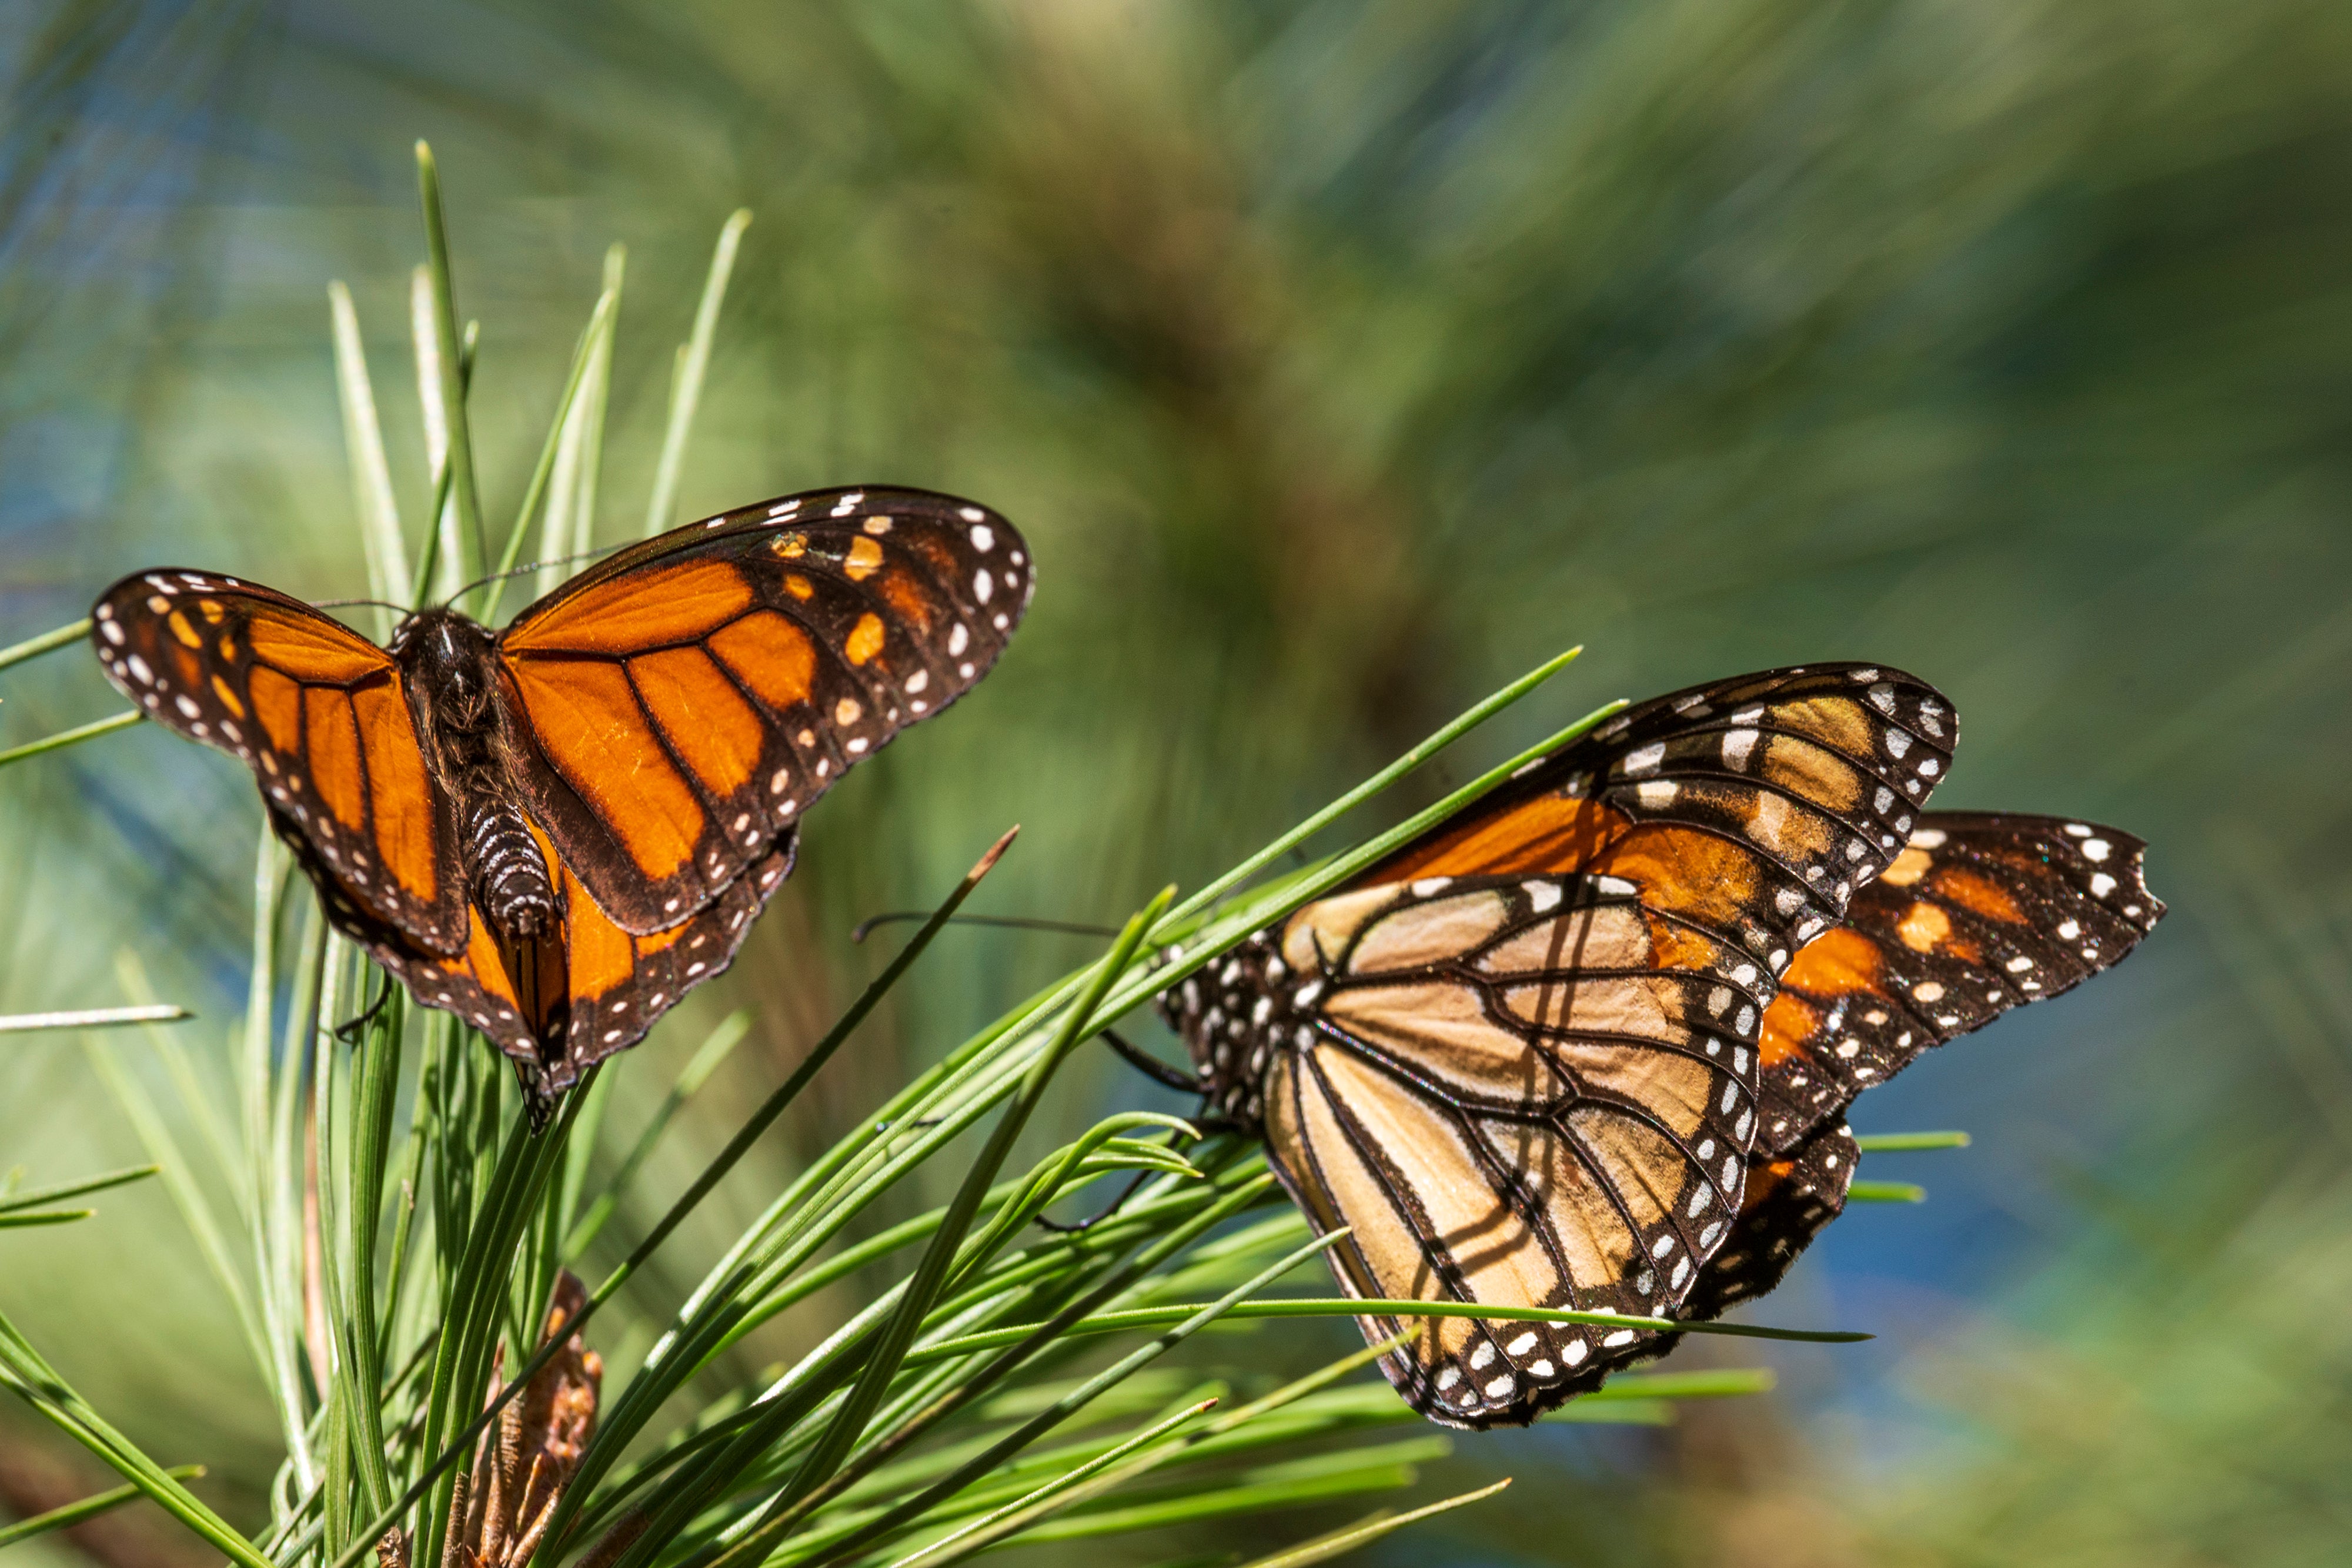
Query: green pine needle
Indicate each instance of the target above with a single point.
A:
(74, 737)
(1886, 1192)
(88, 1508)
(1890, 1143)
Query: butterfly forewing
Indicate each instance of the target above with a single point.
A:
(692, 696)
(321, 715)
(1979, 913)
(1755, 806)
(1518, 1059)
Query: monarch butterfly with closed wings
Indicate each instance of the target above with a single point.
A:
(557, 830)
(1589, 1044)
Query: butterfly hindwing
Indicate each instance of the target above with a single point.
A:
(1981, 912)
(616, 985)
(692, 696)
(1791, 1196)
(1518, 1059)
(321, 715)
(1503, 1070)
(619, 983)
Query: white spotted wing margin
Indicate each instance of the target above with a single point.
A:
(1982, 912)
(1507, 1100)
(1820, 770)
(659, 971)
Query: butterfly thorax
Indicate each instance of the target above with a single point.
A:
(455, 694)
(1233, 1016)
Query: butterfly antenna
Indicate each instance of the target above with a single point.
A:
(1090, 1221)
(866, 927)
(347, 603)
(518, 572)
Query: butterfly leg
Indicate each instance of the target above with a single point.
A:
(1088, 1223)
(1150, 1066)
(1157, 1072)
(1205, 1123)
(350, 1029)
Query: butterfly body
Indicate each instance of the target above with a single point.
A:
(557, 829)
(465, 715)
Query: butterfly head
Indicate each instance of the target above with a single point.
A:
(447, 653)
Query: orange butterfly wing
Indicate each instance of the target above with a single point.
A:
(692, 696)
(616, 984)
(321, 715)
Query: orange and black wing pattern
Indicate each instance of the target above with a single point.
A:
(689, 699)
(321, 715)
(616, 985)
(1981, 913)
(1790, 1197)
(1518, 1059)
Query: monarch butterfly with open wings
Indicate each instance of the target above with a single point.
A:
(1537, 1057)
(557, 830)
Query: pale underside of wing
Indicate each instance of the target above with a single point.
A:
(1521, 1055)
(1508, 1099)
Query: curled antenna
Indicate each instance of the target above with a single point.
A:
(1067, 927)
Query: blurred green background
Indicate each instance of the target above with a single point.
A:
(1340, 360)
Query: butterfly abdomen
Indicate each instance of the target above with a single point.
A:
(511, 881)
(454, 674)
